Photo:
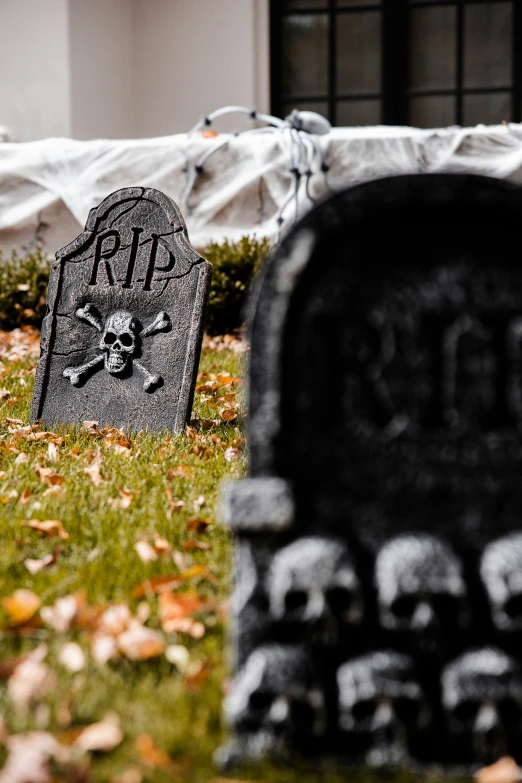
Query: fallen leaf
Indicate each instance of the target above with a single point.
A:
(29, 755)
(151, 755)
(21, 606)
(103, 648)
(62, 615)
(52, 452)
(90, 427)
(32, 680)
(161, 545)
(180, 471)
(9, 496)
(140, 643)
(103, 736)
(72, 657)
(50, 527)
(35, 566)
(197, 525)
(159, 584)
(231, 454)
(191, 544)
(505, 770)
(49, 475)
(115, 620)
(145, 552)
(25, 497)
(22, 458)
(4, 394)
(131, 775)
(94, 470)
(175, 613)
(228, 415)
(123, 501)
(199, 503)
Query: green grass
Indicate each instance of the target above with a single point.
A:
(151, 697)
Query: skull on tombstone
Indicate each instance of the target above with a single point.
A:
(276, 699)
(118, 341)
(501, 573)
(381, 705)
(420, 587)
(482, 700)
(312, 584)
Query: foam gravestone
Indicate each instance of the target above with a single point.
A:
(377, 605)
(122, 335)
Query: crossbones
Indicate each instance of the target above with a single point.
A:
(118, 343)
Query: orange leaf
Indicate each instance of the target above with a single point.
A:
(50, 527)
(158, 584)
(180, 471)
(21, 606)
(197, 525)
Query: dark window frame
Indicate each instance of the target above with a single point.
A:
(394, 94)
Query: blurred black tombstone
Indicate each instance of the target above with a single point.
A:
(377, 605)
(122, 335)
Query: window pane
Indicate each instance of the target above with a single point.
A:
(321, 107)
(436, 111)
(348, 3)
(432, 47)
(305, 47)
(489, 109)
(306, 3)
(358, 113)
(488, 44)
(359, 52)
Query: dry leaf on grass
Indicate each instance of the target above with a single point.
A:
(29, 755)
(32, 680)
(90, 427)
(175, 504)
(25, 497)
(191, 544)
(72, 657)
(231, 454)
(103, 736)
(65, 611)
(199, 503)
(34, 566)
(49, 527)
(139, 643)
(94, 470)
(131, 775)
(175, 612)
(21, 606)
(158, 584)
(151, 755)
(505, 770)
(48, 475)
(52, 452)
(197, 525)
(103, 648)
(180, 471)
(123, 501)
(145, 552)
(22, 458)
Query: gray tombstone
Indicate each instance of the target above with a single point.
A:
(122, 335)
(377, 606)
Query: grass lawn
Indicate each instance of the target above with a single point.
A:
(132, 509)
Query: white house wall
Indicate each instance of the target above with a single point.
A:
(128, 68)
(34, 72)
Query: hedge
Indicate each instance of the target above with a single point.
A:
(23, 283)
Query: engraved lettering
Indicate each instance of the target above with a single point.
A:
(132, 258)
(105, 254)
(152, 267)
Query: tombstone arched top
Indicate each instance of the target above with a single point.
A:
(375, 217)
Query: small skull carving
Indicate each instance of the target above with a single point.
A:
(312, 583)
(482, 699)
(118, 341)
(420, 586)
(501, 572)
(381, 705)
(276, 700)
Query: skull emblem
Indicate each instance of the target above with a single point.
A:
(312, 583)
(118, 341)
(381, 705)
(482, 699)
(276, 699)
(501, 572)
(420, 586)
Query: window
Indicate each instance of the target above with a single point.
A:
(427, 63)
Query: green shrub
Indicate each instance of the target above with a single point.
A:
(23, 288)
(23, 283)
(235, 264)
